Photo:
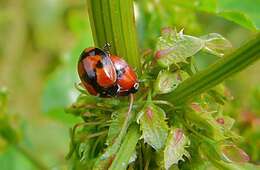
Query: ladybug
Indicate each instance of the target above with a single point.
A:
(106, 75)
(126, 77)
(97, 72)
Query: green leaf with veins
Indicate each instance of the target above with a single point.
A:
(153, 125)
(166, 82)
(234, 154)
(175, 149)
(126, 153)
(216, 44)
(173, 47)
(104, 160)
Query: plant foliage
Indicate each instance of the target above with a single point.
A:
(174, 132)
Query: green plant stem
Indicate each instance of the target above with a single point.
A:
(30, 156)
(215, 74)
(112, 21)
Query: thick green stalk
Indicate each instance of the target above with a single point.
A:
(112, 21)
(216, 73)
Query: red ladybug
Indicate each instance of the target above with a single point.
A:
(106, 75)
(97, 72)
(126, 77)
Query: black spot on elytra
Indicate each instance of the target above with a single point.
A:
(99, 64)
(120, 72)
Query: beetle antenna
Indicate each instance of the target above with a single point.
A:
(107, 47)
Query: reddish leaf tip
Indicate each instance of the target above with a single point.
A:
(149, 112)
(196, 107)
(166, 30)
(178, 135)
(220, 121)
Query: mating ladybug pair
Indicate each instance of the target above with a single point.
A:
(106, 75)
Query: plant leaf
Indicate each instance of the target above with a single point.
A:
(232, 153)
(175, 148)
(127, 149)
(104, 160)
(118, 118)
(238, 17)
(166, 82)
(173, 47)
(205, 121)
(218, 72)
(153, 125)
(245, 13)
(216, 44)
(226, 122)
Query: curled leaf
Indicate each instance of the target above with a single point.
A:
(153, 126)
(175, 148)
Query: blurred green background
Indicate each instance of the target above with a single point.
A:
(40, 42)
